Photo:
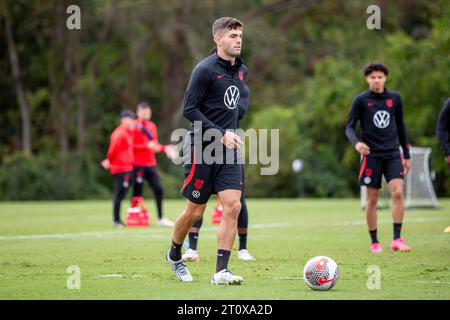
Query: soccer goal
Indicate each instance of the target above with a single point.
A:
(419, 191)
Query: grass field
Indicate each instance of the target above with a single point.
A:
(40, 240)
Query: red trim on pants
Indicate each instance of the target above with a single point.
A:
(363, 166)
(191, 172)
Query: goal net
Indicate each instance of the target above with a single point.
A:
(418, 189)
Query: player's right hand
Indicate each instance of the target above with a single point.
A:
(362, 148)
(231, 140)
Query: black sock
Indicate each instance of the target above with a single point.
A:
(175, 251)
(222, 259)
(373, 235)
(193, 238)
(242, 241)
(397, 230)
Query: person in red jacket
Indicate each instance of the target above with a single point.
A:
(120, 160)
(146, 144)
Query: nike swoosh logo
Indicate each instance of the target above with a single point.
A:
(220, 255)
(323, 281)
(220, 76)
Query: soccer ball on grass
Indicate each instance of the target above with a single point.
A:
(321, 273)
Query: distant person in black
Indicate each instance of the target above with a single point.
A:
(212, 99)
(443, 130)
(380, 114)
(443, 133)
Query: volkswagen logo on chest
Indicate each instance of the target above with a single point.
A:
(381, 119)
(231, 97)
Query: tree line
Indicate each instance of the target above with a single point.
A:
(61, 90)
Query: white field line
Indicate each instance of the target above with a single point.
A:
(114, 275)
(102, 234)
(150, 233)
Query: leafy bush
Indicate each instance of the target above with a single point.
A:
(46, 177)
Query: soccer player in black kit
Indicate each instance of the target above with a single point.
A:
(212, 99)
(192, 254)
(443, 134)
(380, 114)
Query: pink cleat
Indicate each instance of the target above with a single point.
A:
(375, 247)
(400, 245)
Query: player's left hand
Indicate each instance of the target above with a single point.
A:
(231, 140)
(152, 145)
(406, 166)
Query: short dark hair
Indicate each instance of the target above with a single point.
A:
(143, 105)
(226, 23)
(127, 113)
(375, 66)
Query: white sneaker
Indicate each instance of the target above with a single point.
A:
(226, 277)
(191, 255)
(180, 269)
(118, 224)
(165, 222)
(245, 255)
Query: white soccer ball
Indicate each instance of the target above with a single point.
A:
(321, 273)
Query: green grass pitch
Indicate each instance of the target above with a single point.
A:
(40, 240)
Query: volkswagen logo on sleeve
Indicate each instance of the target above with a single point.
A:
(231, 97)
(381, 119)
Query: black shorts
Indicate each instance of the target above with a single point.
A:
(202, 180)
(141, 173)
(373, 167)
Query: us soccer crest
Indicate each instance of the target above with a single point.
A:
(241, 75)
(198, 184)
(389, 103)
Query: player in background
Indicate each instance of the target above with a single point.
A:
(145, 145)
(443, 134)
(192, 253)
(380, 114)
(120, 161)
(217, 212)
(212, 98)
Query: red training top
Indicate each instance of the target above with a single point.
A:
(143, 156)
(120, 151)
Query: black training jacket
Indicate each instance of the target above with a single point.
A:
(381, 120)
(214, 92)
(443, 127)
